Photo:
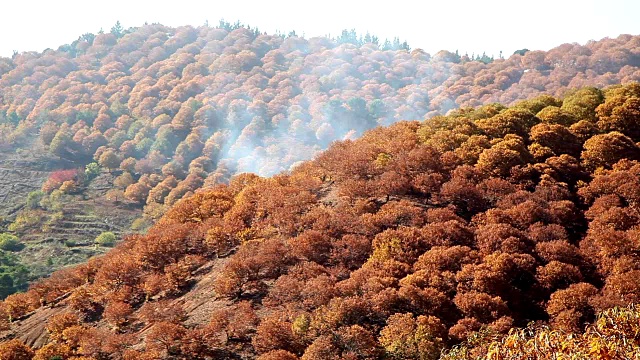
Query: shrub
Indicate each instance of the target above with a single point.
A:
(92, 170)
(13, 275)
(53, 201)
(10, 242)
(107, 238)
(34, 198)
(57, 178)
(26, 219)
(68, 187)
(140, 224)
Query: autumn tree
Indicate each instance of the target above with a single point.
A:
(62, 144)
(408, 338)
(117, 313)
(15, 350)
(607, 149)
(165, 336)
(109, 160)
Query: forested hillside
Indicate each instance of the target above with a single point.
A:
(396, 245)
(137, 118)
(178, 108)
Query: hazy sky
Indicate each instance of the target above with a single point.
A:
(464, 25)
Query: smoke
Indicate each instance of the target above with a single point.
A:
(303, 94)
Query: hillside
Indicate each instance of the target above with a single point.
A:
(399, 244)
(174, 109)
(61, 229)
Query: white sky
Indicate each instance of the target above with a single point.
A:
(464, 25)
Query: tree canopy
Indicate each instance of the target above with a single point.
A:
(409, 240)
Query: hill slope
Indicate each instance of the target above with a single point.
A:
(176, 109)
(398, 244)
(61, 232)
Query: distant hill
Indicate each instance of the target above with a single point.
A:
(181, 107)
(409, 240)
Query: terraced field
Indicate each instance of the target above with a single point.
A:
(23, 172)
(62, 238)
(69, 239)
